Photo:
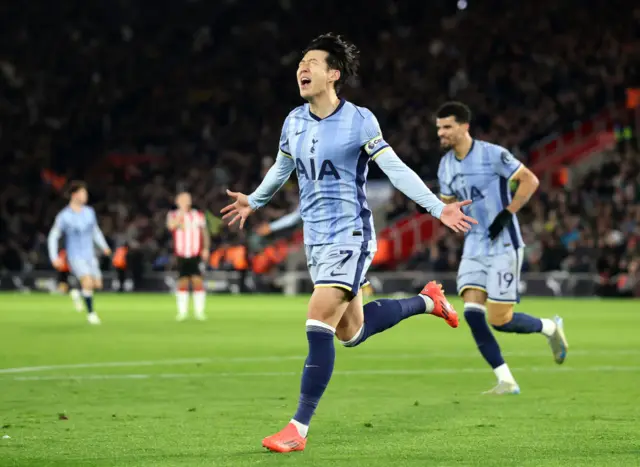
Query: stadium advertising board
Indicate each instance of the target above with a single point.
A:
(555, 284)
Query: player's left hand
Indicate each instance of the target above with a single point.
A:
(453, 217)
(500, 222)
(107, 251)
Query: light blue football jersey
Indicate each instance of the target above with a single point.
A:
(483, 177)
(80, 230)
(331, 157)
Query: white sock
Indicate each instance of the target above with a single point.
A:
(302, 429)
(182, 297)
(504, 374)
(77, 299)
(548, 327)
(428, 302)
(199, 297)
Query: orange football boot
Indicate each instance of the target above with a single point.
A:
(287, 440)
(441, 307)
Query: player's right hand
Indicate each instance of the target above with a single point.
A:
(239, 210)
(57, 263)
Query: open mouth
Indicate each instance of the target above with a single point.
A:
(305, 82)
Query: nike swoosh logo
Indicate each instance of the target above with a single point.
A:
(311, 366)
(333, 274)
(300, 132)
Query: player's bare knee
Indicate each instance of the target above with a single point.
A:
(348, 330)
(196, 282)
(182, 283)
(474, 296)
(97, 284)
(499, 314)
(350, 325)
(328, 305)
(86, 283)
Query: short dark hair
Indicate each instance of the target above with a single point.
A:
(75, 186)
(342, 55)
(454, 109)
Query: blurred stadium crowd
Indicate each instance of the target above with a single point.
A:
(190, 94)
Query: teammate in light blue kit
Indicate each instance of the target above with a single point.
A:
(489, 271)
(329, 143)
(79, 225)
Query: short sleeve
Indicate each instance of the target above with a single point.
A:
(504, 163)
(284, 139)
(371, 139)
(444, 182)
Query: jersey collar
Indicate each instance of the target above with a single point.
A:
(473, 143)
(318, 119)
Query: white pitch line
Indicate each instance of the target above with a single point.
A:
(276, 358)
(174, 361)
(427, 371)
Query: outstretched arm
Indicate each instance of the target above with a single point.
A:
(408, 182)
(244, 205)
(277, 175)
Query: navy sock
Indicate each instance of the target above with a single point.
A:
(521, 323)
(486, 342)
(88, 299)
(383, 314)
(317, 371)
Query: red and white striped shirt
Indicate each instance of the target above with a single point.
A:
(187, 237)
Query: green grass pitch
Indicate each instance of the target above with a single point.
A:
(142, 390)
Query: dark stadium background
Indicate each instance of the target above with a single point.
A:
(143, 98)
